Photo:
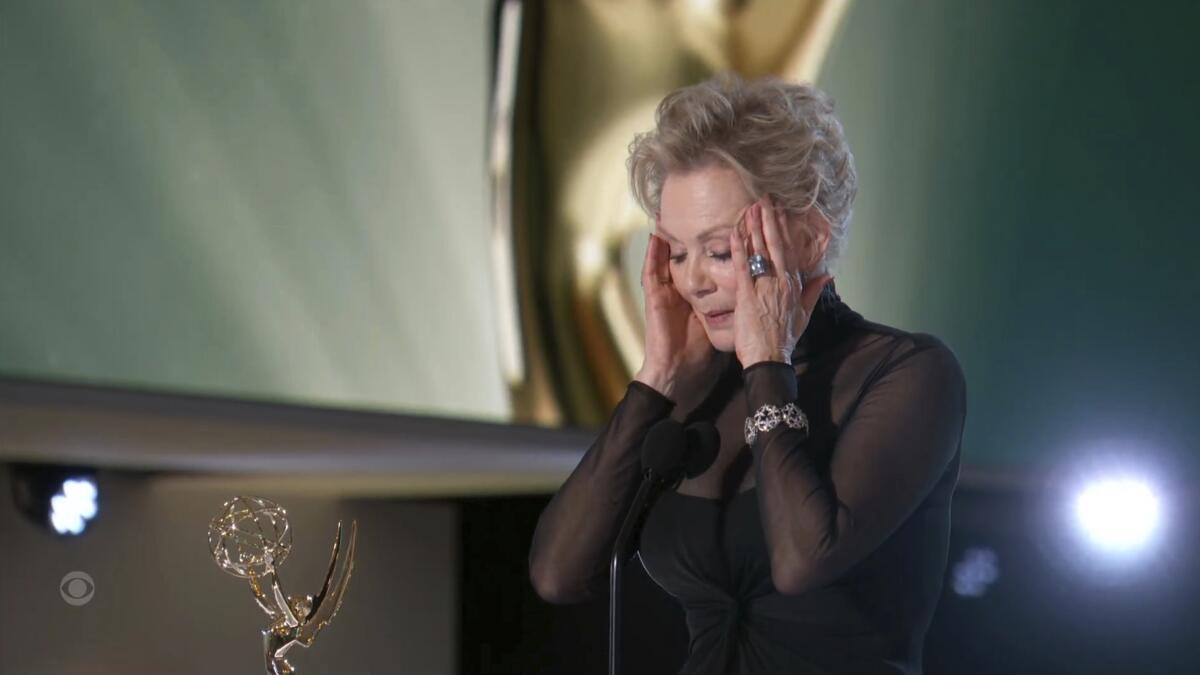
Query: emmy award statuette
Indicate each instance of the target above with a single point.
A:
(249, 539)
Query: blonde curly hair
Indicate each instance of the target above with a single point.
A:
(780, 137)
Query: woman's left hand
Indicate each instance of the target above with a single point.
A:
(773, 310)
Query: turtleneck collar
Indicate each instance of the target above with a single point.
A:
(830, 322)
(832, 319)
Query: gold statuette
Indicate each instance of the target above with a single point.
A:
(249, 539)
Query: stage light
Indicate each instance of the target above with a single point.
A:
(62, 499)
(73, 506)
(1118, 515)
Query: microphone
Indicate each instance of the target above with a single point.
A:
(669, 452)
(703, 443)
(672, 452)
(664, 451)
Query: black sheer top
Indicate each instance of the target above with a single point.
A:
(817, 552)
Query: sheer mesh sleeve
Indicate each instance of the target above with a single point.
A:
(819, 520)
(576, 532)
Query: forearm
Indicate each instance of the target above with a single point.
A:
(797, 506)
(824, 509)
(801, 515)
(575, 533)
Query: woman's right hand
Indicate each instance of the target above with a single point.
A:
(678, 351)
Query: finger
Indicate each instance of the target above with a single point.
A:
(775, 245)
(662, 260)
(786, 227)
(812, 292)
(648, 264)
(741, 269)
(652, 266)
(757, 243)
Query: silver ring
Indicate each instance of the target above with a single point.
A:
(759, 265)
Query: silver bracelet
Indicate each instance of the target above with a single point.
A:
(770, 416)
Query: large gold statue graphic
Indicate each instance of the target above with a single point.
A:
(575, 80)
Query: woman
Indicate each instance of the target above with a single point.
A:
(817, 540)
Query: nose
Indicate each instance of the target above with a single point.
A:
(698, 281)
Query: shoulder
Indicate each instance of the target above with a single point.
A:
(893, 350)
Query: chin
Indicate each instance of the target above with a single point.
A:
(722, 340)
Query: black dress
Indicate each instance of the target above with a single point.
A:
(818, 552)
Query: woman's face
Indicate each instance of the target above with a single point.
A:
(699, 209)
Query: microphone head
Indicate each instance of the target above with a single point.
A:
(664, 448)
(703, 443)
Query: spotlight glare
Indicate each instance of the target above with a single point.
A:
(80, 488)
(1118, 515)
(73, 506)
(979, 569)
(61, 499)
(66, 522)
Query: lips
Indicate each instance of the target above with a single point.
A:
(720, 318)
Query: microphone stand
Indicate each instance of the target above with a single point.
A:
(669, 453)
(623, 550)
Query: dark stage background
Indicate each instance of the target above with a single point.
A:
(1049, 609)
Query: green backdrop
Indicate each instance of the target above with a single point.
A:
(1028, 194)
